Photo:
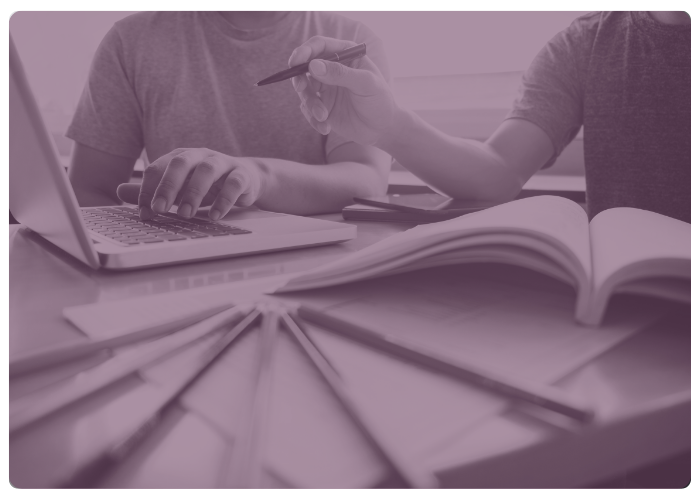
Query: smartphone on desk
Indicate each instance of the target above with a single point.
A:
(424, 207)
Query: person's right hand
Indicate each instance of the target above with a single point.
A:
(354, 101)
(194, 177)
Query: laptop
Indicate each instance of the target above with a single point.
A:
(42, 199)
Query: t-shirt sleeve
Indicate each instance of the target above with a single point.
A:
(375, 51)
(551, 91)
(108, 115)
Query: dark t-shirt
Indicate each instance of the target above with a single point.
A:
(625, 78)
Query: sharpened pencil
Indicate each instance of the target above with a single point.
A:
(539, 395)
(412, 476)
(124, 442)
(54, 355)
(247, 471)
(41, 404)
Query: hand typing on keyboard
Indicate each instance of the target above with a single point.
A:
(124, 226)
(194, 177)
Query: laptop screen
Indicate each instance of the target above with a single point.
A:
(40, 193)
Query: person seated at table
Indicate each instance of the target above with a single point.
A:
(181, 85)
(623, 76)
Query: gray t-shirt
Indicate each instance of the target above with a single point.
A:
(168, 80)
(625, 78)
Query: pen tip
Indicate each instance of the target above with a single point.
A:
(255, 85)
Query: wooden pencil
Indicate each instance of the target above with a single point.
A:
(124, 441)
(247, 468)
(43, 403)
(539, 395)
(64, 352)
(411, 475)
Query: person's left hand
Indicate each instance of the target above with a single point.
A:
(194, 177)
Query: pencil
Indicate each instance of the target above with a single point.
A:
(53, 355)
(248, 467)
(539, 395)
(39, 405)
(124, 443)
(412, 476)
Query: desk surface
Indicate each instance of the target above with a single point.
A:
(642, 385)
(39, 273)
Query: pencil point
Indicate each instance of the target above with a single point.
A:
(255, 85)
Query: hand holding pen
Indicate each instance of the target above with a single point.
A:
(356, 102)
(345, 56)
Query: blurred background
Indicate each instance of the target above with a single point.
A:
(466, 92)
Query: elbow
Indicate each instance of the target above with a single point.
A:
(376, 185)
(502, 189)
(375, 182)
(495, 193)
(495, 184)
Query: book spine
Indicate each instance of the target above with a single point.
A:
(588, 311)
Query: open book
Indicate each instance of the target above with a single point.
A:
(621, 250)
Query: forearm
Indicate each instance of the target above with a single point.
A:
(457, 167)
(302, 189)
(95, 175)
(94, 197)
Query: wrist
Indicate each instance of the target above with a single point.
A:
(261, 176)
(390, 141)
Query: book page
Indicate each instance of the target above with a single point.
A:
(557, 221)
(628, 243)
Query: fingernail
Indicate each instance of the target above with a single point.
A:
(317, 67)
(185, 210)
(145, 213)
(319, 112)
(158, 204)
(214, 215)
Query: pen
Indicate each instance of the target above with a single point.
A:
(413, 477)
(343, 56)
(53, 355)
(128, 439)
(247, 468)
(41, 404)
(539, 395)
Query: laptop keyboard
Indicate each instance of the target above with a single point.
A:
(124, 226)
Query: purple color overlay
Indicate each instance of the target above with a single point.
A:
(543, 342)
